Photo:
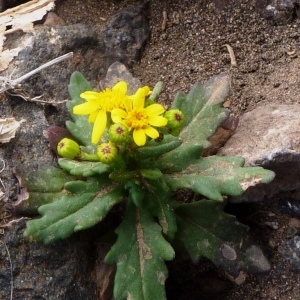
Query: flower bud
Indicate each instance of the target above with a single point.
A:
(175, 118)
(107, 153)
(118, 133)
(68, 148)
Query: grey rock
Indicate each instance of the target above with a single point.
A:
(127, 34)
(59, 271)
(291, 251)
(269, 136)
(48, 42)
(278, 12)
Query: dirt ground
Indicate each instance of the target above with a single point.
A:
(192, 48)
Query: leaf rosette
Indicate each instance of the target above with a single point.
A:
(152, 165)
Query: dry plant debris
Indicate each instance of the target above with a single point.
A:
(22, 18)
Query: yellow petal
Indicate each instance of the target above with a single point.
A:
(91, 96)
(85, 108)
(121, 86)
(146, 90)
(152, 132)
(128, 103)
(93, 116)
(139, 99)
(157, 121)
(139, 137)
(117, 114)
(154, 109)
(99, 126)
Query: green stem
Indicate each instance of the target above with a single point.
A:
(88, 157)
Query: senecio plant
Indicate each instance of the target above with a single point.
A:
(126, 147)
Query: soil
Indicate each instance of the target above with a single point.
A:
(191, 47)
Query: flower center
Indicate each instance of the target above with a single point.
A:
(111, 99)
(137, 119)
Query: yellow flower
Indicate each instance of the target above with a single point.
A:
(138, 118)
(98, 104)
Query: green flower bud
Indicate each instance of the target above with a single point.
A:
(107, 153)
(68, 148)
(175, 118)
(118, 133)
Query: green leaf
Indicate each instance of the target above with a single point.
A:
(37, 184)
(215, 176)
(81, 205)
(160, 202)
(206, 231)
(81, 129)
(83, 168)
(155, 149)
(203, 112)
(139, 252)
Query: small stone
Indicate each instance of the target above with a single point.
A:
(294, 223)
(290, 207)
(278, 12)
(53, 19)
(291, 251)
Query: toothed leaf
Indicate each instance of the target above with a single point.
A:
(139, 253)
(206, 231)
(216, 176)
(81, 205)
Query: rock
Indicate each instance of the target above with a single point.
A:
(269, 136)
(290, 207)
(58, 271)
(48, 42)
(53, 19)
(291, 251)
(278, 12)
(127, 34)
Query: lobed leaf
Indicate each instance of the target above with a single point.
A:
(39, 187)
(82, 205)
(203, 112)
(139, 253)
(216, 176)
(206, 231)
(82, 168)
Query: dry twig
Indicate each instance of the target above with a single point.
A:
(231, 54)
(7, 84)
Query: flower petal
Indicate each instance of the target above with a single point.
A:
(92, 117)
(152, 132)
(128, 103)
(154, 109)
(117, 115)
(157, 121)
(99, 126)
(121, 87)
(85, 108)
(139, 99)
(91, 96)
(139, 137)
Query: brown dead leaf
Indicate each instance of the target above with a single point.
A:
(8, 128)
